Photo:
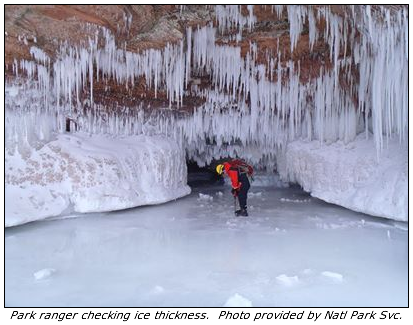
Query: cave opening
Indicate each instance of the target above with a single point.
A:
(203, 176)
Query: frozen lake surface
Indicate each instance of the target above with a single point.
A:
(293, 250)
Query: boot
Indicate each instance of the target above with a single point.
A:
(237, 212)
(243, 213)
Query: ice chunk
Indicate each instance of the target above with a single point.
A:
(295, 200)
(12, 91)
(44, 273)
(238, 301)
(157, 290)
(287, 280)
(388, 235)
(205, 197)
(333, 275)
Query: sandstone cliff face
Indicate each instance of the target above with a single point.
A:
(48, 25)
(140, 27)
(315, 72)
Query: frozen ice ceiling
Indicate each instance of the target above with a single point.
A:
(242, 78)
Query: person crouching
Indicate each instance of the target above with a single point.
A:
(239, 172)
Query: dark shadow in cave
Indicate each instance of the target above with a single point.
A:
(203, 176)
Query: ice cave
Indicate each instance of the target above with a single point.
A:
(117, 116)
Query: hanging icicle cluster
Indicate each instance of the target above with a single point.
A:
(249, 105)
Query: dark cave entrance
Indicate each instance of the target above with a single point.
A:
(203, 176)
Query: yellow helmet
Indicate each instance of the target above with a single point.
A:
(220, 169)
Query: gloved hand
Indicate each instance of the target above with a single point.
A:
(234, 192)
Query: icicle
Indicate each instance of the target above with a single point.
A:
(188, 55)
(296, 16)
(313, 33)
(248, 104)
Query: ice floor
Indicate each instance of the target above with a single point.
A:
(293, 250)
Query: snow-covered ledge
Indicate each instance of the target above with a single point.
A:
(351, 175)
(84, 173)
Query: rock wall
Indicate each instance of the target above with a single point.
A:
(351, 175)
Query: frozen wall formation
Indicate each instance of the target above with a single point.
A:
(91, 173)
(349, 175)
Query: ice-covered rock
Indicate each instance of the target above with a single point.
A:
(44, 273)
(351, 176)
(84, 173)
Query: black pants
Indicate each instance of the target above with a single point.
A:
(243, 192)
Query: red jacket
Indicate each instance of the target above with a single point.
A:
(232, 169)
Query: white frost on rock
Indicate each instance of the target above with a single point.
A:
(92, 174)
(351, 176)
(238, 301)
(43, 274)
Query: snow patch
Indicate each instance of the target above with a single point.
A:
(238, 301)
(44, 273)
(337, 277)
(205, 197)
(157, 290)
(295, 200)
(253, 194)
(287, 280)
